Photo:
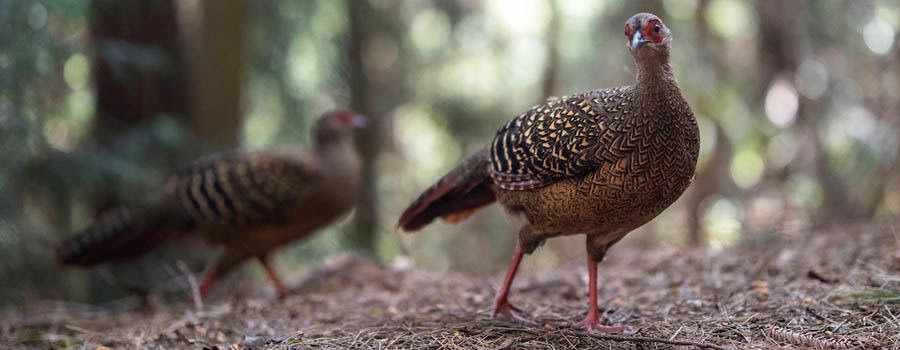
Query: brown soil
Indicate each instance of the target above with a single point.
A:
(825, 288)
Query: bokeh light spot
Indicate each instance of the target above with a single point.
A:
(747, 167)
(811, 79)
(878, 35)
(781, 103)
(37, 16)
(76, 71)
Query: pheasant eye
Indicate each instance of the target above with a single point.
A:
(627, 30)
(656, 28)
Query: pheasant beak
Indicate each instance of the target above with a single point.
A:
(637, 40)
(360, 121)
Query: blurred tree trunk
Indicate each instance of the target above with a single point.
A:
(376, 80)
(217, 64)
(139, 75)
(361, 95)
(142, 73)
(138, 72)
(138, 67)
(552, 68)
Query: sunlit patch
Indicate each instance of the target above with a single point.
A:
(721, 221)
(878, 35)
(732, 19)
(781, 103)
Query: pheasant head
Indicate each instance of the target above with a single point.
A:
(336, 125)
(648, 38)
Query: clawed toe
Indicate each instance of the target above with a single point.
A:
(504, 307)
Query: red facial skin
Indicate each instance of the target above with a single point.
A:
(648, 32)
(343, 117)
(651, 32)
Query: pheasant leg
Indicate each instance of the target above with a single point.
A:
(279, 287)
(502, 304)
(592, 321)
(208, 280)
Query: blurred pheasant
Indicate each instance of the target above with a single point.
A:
(599, 163)
(251, 203)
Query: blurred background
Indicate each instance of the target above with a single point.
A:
(100, 101)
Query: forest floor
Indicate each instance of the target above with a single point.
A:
(836, 287)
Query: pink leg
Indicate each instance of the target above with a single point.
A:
(501, 304)
(279, 287)
(592, 321)
(208, 280)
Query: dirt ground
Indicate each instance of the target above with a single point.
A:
(836, 287)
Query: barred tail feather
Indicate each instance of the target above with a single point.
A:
(123, 234)
(463, 191)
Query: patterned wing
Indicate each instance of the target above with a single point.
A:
(564, 137)
(242, 189)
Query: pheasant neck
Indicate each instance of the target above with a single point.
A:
(340, 157)
(340, 151)
(655, 79)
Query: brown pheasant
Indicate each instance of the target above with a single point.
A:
(599, 163)
(251, 203)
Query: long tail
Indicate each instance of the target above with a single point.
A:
(123, 234)
(463, 191)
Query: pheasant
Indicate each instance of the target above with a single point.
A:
(251, 203)
(599, 163)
